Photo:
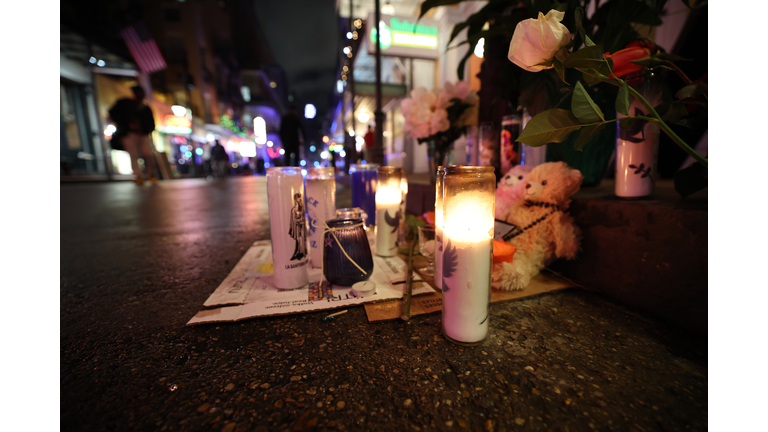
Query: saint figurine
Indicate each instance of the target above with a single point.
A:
(298, 228)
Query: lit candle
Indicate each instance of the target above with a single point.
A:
(439, 227)
(468, 205)
(388, 198)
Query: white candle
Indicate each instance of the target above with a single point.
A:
(288, 227)
(321, 205)
(387, 220)
(467, 260)
(439, 228)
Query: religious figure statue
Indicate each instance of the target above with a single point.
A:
(298, 230)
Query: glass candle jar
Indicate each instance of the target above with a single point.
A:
(321, 205)
(337, 268)
(439, 226)
(350, 213)
(363, 186)
(468, 208)
(288, 226)
(388, 198)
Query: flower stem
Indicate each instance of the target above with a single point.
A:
(657, 119)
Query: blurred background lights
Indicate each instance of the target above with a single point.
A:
(347, 50)
(269, 144)
(273, 84)
(179, 111)
(317, 164)
(388, 9)
(101, 63)
(349, 36)
(324, 155)
(326, 139)
(110, 129)
(92, 60)
(260, 130)
(302, 162)
(363, 117)
(309, 111)
(312, 148)
(266, 164)
(183, 148)
(281, 151)
(210, 137)
(199, 151)
(343, 153)
(303, 172)
(351, 133)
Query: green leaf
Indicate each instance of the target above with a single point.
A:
(583, 107)
(559, 68)
(553, 125)
(627, 123)
(691, 179)
(677, 110)
(586, 134)
(692, 90)
(587, 57)
(578, 18)
(622, 100)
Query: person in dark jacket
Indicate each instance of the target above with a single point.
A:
(219, 160)
(292, 135)
(134, 122)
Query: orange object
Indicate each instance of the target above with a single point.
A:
(503, 252)
(429, 217)
(621, 59)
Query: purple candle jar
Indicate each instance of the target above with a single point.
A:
(363, 187)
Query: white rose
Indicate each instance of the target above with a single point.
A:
(536, 41)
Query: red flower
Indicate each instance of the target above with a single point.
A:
(621, 59)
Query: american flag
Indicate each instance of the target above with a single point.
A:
(143, 48)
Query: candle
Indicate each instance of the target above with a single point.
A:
(468, 206)
(321, 205)
(388, 198)
(439, 227)
(288, 227)
(363, 186)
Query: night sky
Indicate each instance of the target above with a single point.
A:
(304, 40)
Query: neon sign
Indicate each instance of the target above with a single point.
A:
(400, 37)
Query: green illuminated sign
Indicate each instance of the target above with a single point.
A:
(399, 37)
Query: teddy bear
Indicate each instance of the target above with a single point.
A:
(510, 189)
(544, 231)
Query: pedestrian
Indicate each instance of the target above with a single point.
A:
(292, 135)
(219, 160)
(370, 141)
(134, 122)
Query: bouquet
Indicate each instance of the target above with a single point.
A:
(439, 116)
(544, 43)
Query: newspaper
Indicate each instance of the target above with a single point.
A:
(248, 291)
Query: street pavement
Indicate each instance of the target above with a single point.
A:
(137, 262)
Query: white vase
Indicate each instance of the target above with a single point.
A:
(637, 149)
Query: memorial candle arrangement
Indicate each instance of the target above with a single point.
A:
(439, 227)
(321, 206)
(363, 186)
(388, 198)
(288, 226)
(468, 206)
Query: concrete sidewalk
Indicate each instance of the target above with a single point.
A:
(137, 262)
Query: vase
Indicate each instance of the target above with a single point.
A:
(439, 154)
(637, 148)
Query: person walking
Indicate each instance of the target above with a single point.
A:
(219, 160)
(134, 122)
(292, 135)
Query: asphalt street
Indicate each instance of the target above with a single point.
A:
(137, 262)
